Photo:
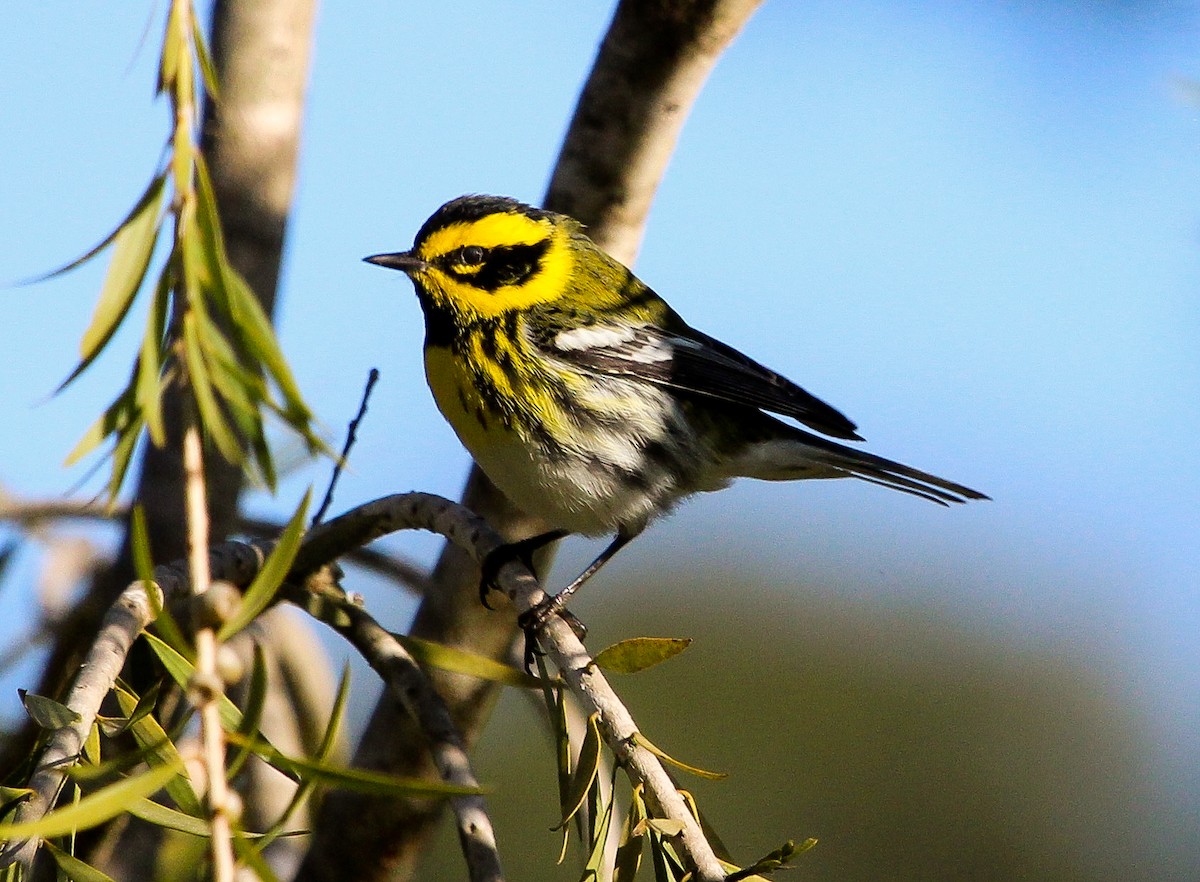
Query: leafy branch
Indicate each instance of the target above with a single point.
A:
(205, 329)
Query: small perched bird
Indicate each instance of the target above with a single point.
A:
(586, 398)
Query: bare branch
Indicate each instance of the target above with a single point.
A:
(121, 626)
(408, 684)
(32, 514)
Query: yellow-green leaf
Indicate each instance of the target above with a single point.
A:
(46, 712)
(256, 700)
(358, 780)
(275, 568)
(629, 850)
(639, 653)
(93, 809)
(143, 567)
(645, 742)
(159, 750)
(447, 658)
(207, 69)
(181, 671)
(116, 418)
(134, 244)
(105, 242)
(73, 867)
(211, 417)
(665, 826)
(323, 753)
(587, 766)
(591, 869)
(148, 380)
(161, 816)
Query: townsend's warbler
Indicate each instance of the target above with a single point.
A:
(586, 399)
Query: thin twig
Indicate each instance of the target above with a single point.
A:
(351, 437)
(206, 685)
(408, 684)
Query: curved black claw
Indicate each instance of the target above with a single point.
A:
(522, 551)
(534, 619)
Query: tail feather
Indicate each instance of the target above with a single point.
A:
(785, 453)
(885, 472)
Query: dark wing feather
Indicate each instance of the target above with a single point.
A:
(691, 361)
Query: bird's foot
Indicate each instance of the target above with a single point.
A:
(522, 551)
(534, 619)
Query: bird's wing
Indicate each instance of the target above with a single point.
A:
(686, 359)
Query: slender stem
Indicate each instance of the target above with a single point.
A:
(207, 685)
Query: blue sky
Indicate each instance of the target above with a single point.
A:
(974, 227)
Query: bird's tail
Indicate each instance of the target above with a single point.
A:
(796, 454)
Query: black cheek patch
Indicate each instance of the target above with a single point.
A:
(509, 265)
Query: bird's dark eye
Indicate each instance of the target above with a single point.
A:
(471, 255)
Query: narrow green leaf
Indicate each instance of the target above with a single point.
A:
(252, 858)
(46, 712)
(595, 859)
(629, 849)
(116, 417)
(639, 653)
(256, 700)
(93, 809)
(337, 716)
(148, 380)
(212, 246)
(143, 567)
(274, 570)
(134, 245)
(665, 826)
(357, 780)
(73, 867)
(182, 670)
(645, 742)
(173, 53)
(447, 658)
(106, 241)
(324, 751)
(211, 417)
(658, 859)
(159, 750)
(91, 745)
(207, 69)
(122, 453)
(171, 819)
(586, 768)
(769, 863)
(256, 334)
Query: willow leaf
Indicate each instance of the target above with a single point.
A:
(270, 577)
(93, 809)
(645, 742)
(639, 653)
(133, 246)
(74, 869)
(586, 768)
(458, 661)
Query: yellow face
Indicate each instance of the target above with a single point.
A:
(479, 267)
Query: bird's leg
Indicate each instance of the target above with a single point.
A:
(532, 620)
(522, 551)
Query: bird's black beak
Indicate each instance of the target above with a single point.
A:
(405, 261)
